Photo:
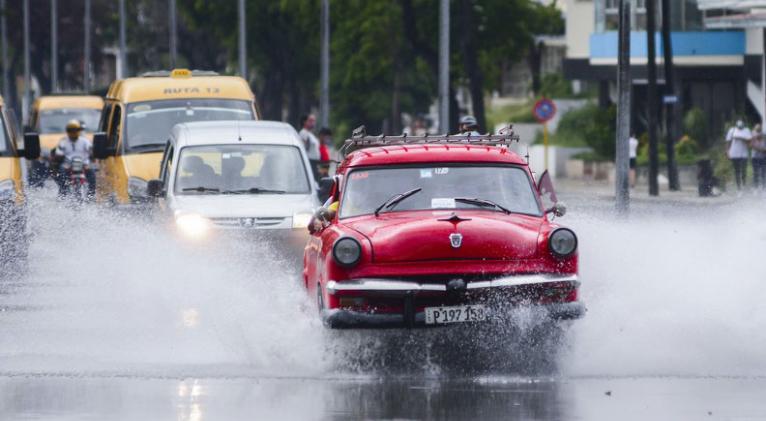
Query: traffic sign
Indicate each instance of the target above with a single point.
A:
(544, 110)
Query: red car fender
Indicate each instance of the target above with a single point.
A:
(568, 264)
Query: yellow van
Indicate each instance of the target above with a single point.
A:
(13, 216)
(49, 116)
(139, 115)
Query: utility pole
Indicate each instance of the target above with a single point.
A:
(670, 93)
(173, 34)
(622, 155)
(324, 100)
(651, 97)
(4, 49)
(242, 40)
(27, 100)
(123, 68)
(86, 52)
(444, 66)
(54, 46)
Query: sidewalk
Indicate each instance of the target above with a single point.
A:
(602, 190)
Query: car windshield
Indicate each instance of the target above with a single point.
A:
(149, 123)
(241, 169)
(54, 121)
(507, 186)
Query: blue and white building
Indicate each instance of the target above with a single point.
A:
(718, 63)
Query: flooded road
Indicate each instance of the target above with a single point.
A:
(118, 319)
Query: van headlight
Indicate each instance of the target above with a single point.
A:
(562, 242)
(192, 225)
(7, 190)
(302, 219)
(137, 188)
(347, 251)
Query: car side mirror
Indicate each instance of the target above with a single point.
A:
(321, 219)
(154, 188)
(558, 209)
(325, 187)
(31, 149)
(101, 149)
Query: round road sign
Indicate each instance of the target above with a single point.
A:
(544, 110)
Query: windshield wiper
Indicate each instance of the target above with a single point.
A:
(147, 147)
(202, 189)
(395, 200)
(254, 190)
(482, 202)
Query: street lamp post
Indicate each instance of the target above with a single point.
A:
(242, 40)
(123, 68)
(324, 100)
(622, 158)
(27, 76)
(651, 98)
(54, 46)
(173, 34)
(444, 66)
(4, 49)
(86, 52)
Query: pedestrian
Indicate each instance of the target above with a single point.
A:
(310, 142)
(758, 146)
(469, 126)
(325, 139)
(633, 145)
(738, 138)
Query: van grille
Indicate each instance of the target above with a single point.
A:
(248, 222)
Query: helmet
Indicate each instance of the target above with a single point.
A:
(468, 120)
(73, 125)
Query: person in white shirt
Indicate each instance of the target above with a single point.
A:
(738, 138)
(73, 146)
(633, 145)
(469, 126)
(310, 142)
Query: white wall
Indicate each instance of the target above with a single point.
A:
(580, 23)
(753, 41)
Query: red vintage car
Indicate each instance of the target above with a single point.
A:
(433, 230)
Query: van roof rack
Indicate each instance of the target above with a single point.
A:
(360, 140)
(168, 73)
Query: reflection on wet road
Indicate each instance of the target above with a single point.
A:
(118, 320)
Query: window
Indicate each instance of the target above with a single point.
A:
(114, 132)
(508, 186)
(241, 169)
(55, 120)
(103, 124)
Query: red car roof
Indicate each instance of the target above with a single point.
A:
(415, 154)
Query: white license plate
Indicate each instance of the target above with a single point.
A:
(455, 314)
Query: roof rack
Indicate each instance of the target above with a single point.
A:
(360, 140)
(168, 73)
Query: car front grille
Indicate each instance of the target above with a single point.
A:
(249, 222)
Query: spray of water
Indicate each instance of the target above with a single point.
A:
(676, 292)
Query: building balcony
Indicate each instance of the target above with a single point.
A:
(708, 48)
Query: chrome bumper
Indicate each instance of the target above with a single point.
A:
(394, 286)
(407, 290)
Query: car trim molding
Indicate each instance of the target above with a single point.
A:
(398, 285)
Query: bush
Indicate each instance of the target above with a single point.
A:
(696, 127)
(554, 85)
(588, 126)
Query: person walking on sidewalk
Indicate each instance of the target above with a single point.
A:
(633, 144)
(738, 138)
(310, 142)
(758, 160)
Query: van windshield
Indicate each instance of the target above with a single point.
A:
(55, 120)
(149, 123)
(241, 169)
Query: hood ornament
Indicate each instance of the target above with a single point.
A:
(454, 218)
(456, 240)
(247, 222)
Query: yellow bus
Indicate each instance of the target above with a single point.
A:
(141, 111)
(49, 115)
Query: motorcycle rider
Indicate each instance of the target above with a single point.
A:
(74, 145)
(469, 126)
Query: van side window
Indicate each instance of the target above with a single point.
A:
(114, 132)
(168, 166)
(103, 124)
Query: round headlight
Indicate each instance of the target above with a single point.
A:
(562, 242)
(347, 251)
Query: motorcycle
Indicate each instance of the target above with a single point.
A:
(75, 180)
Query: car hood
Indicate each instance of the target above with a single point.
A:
(143, 165)
(245, 205)
(425, 235)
